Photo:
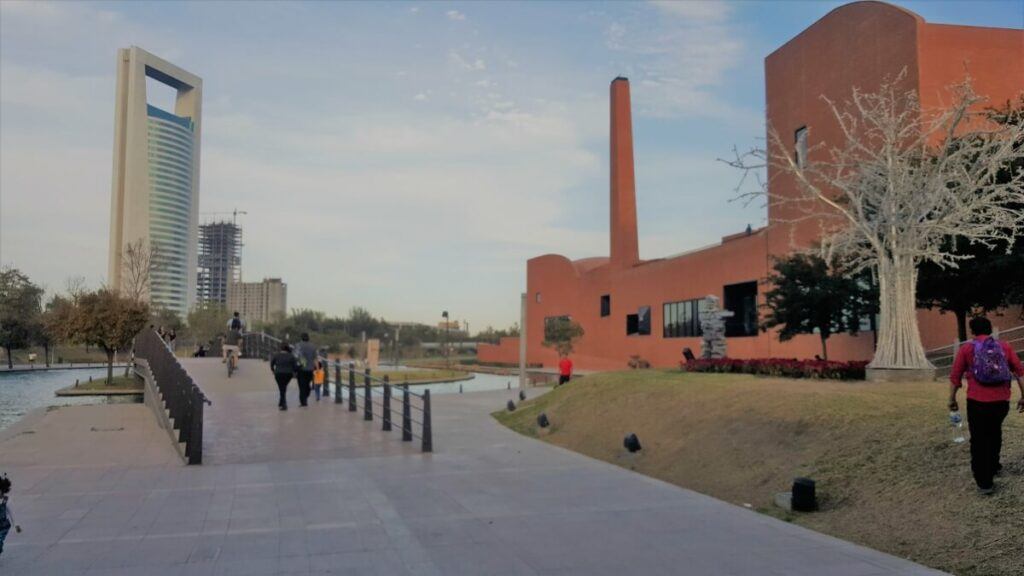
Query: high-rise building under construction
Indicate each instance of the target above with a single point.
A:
(220, 261)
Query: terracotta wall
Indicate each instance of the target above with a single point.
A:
(854, 45)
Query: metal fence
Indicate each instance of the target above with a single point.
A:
(944, 356)
(410, 413)
(181, 397)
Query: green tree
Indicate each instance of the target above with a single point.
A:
(206, 322)
(106, 319)
(562, 333)
(806, 297)
(56, 316)
(20, 310)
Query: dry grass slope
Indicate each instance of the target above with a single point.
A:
(888, 475)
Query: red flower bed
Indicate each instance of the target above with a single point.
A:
(784, 367)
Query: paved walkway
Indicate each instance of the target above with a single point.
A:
(355, 500)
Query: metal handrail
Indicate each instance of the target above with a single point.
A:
(943, 356)
(182, 398)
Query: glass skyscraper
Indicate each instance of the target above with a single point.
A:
(170, 206)
(155, 190)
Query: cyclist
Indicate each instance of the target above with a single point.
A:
(233, 341)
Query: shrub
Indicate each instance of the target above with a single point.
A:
(784, 367)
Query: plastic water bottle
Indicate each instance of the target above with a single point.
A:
(957, 422)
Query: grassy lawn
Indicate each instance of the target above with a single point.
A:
(413, 376)
(99, 385)
(888, 475)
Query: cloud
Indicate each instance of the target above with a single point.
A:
(460, 62)
(677, 53)
(710, 11)
(414, 9)
(420, 97)
(455, 15)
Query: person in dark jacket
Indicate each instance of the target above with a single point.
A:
(306, 355)
(284, 366)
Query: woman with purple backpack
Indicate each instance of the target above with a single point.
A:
(989, 365)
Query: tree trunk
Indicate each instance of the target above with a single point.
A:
(46, 354)
(824, 346)
(110, 367)
(899, 340)
(10, 362)
(961, 325)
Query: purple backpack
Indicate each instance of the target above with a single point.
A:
(990, 366)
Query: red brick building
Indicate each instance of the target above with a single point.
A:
(647, 308)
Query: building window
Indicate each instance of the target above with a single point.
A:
(536, 297)
(606, 305)
(682, 319)
(639, 324)
(800, 139)
(741, 299)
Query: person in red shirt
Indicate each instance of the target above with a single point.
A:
(564, 370)
(987, 405)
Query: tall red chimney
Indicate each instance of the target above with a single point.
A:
(625, 249)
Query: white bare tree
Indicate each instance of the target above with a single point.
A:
(900, 181)
(137, 266)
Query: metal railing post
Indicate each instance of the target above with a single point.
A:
(406, 415)
(428, 435)
(194, 447)
(367, 396)
(387, 404)
(351, 387)
(337, 383)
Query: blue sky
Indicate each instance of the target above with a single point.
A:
(406, 157)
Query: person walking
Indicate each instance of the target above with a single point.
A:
(564, 369)
(6, 517)
(283, 365)
(318, 379)
(989, 365)
(305, 354)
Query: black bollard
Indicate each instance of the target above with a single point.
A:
(509, 387)
(337, 383)
(804, 498)
(386, 411)
(460, 388)
(351, 387)
(631, 443)
(406, 415)
(367, 396)
(511, 406)
(542, 420)
(522, 395)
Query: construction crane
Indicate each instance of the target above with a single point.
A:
(234, 214)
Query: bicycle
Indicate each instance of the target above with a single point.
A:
(232, 362)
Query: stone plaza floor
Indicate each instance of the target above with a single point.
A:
(320, 491)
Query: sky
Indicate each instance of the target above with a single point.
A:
(407, 157)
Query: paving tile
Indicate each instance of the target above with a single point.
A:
(323, 492)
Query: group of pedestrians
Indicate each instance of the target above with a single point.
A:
(303, 364)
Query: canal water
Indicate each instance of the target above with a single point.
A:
(22, 392)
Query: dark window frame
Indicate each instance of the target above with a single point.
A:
(681, 318)
(606, 305)
(800, 145)
(639, 324)
(746, 316)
